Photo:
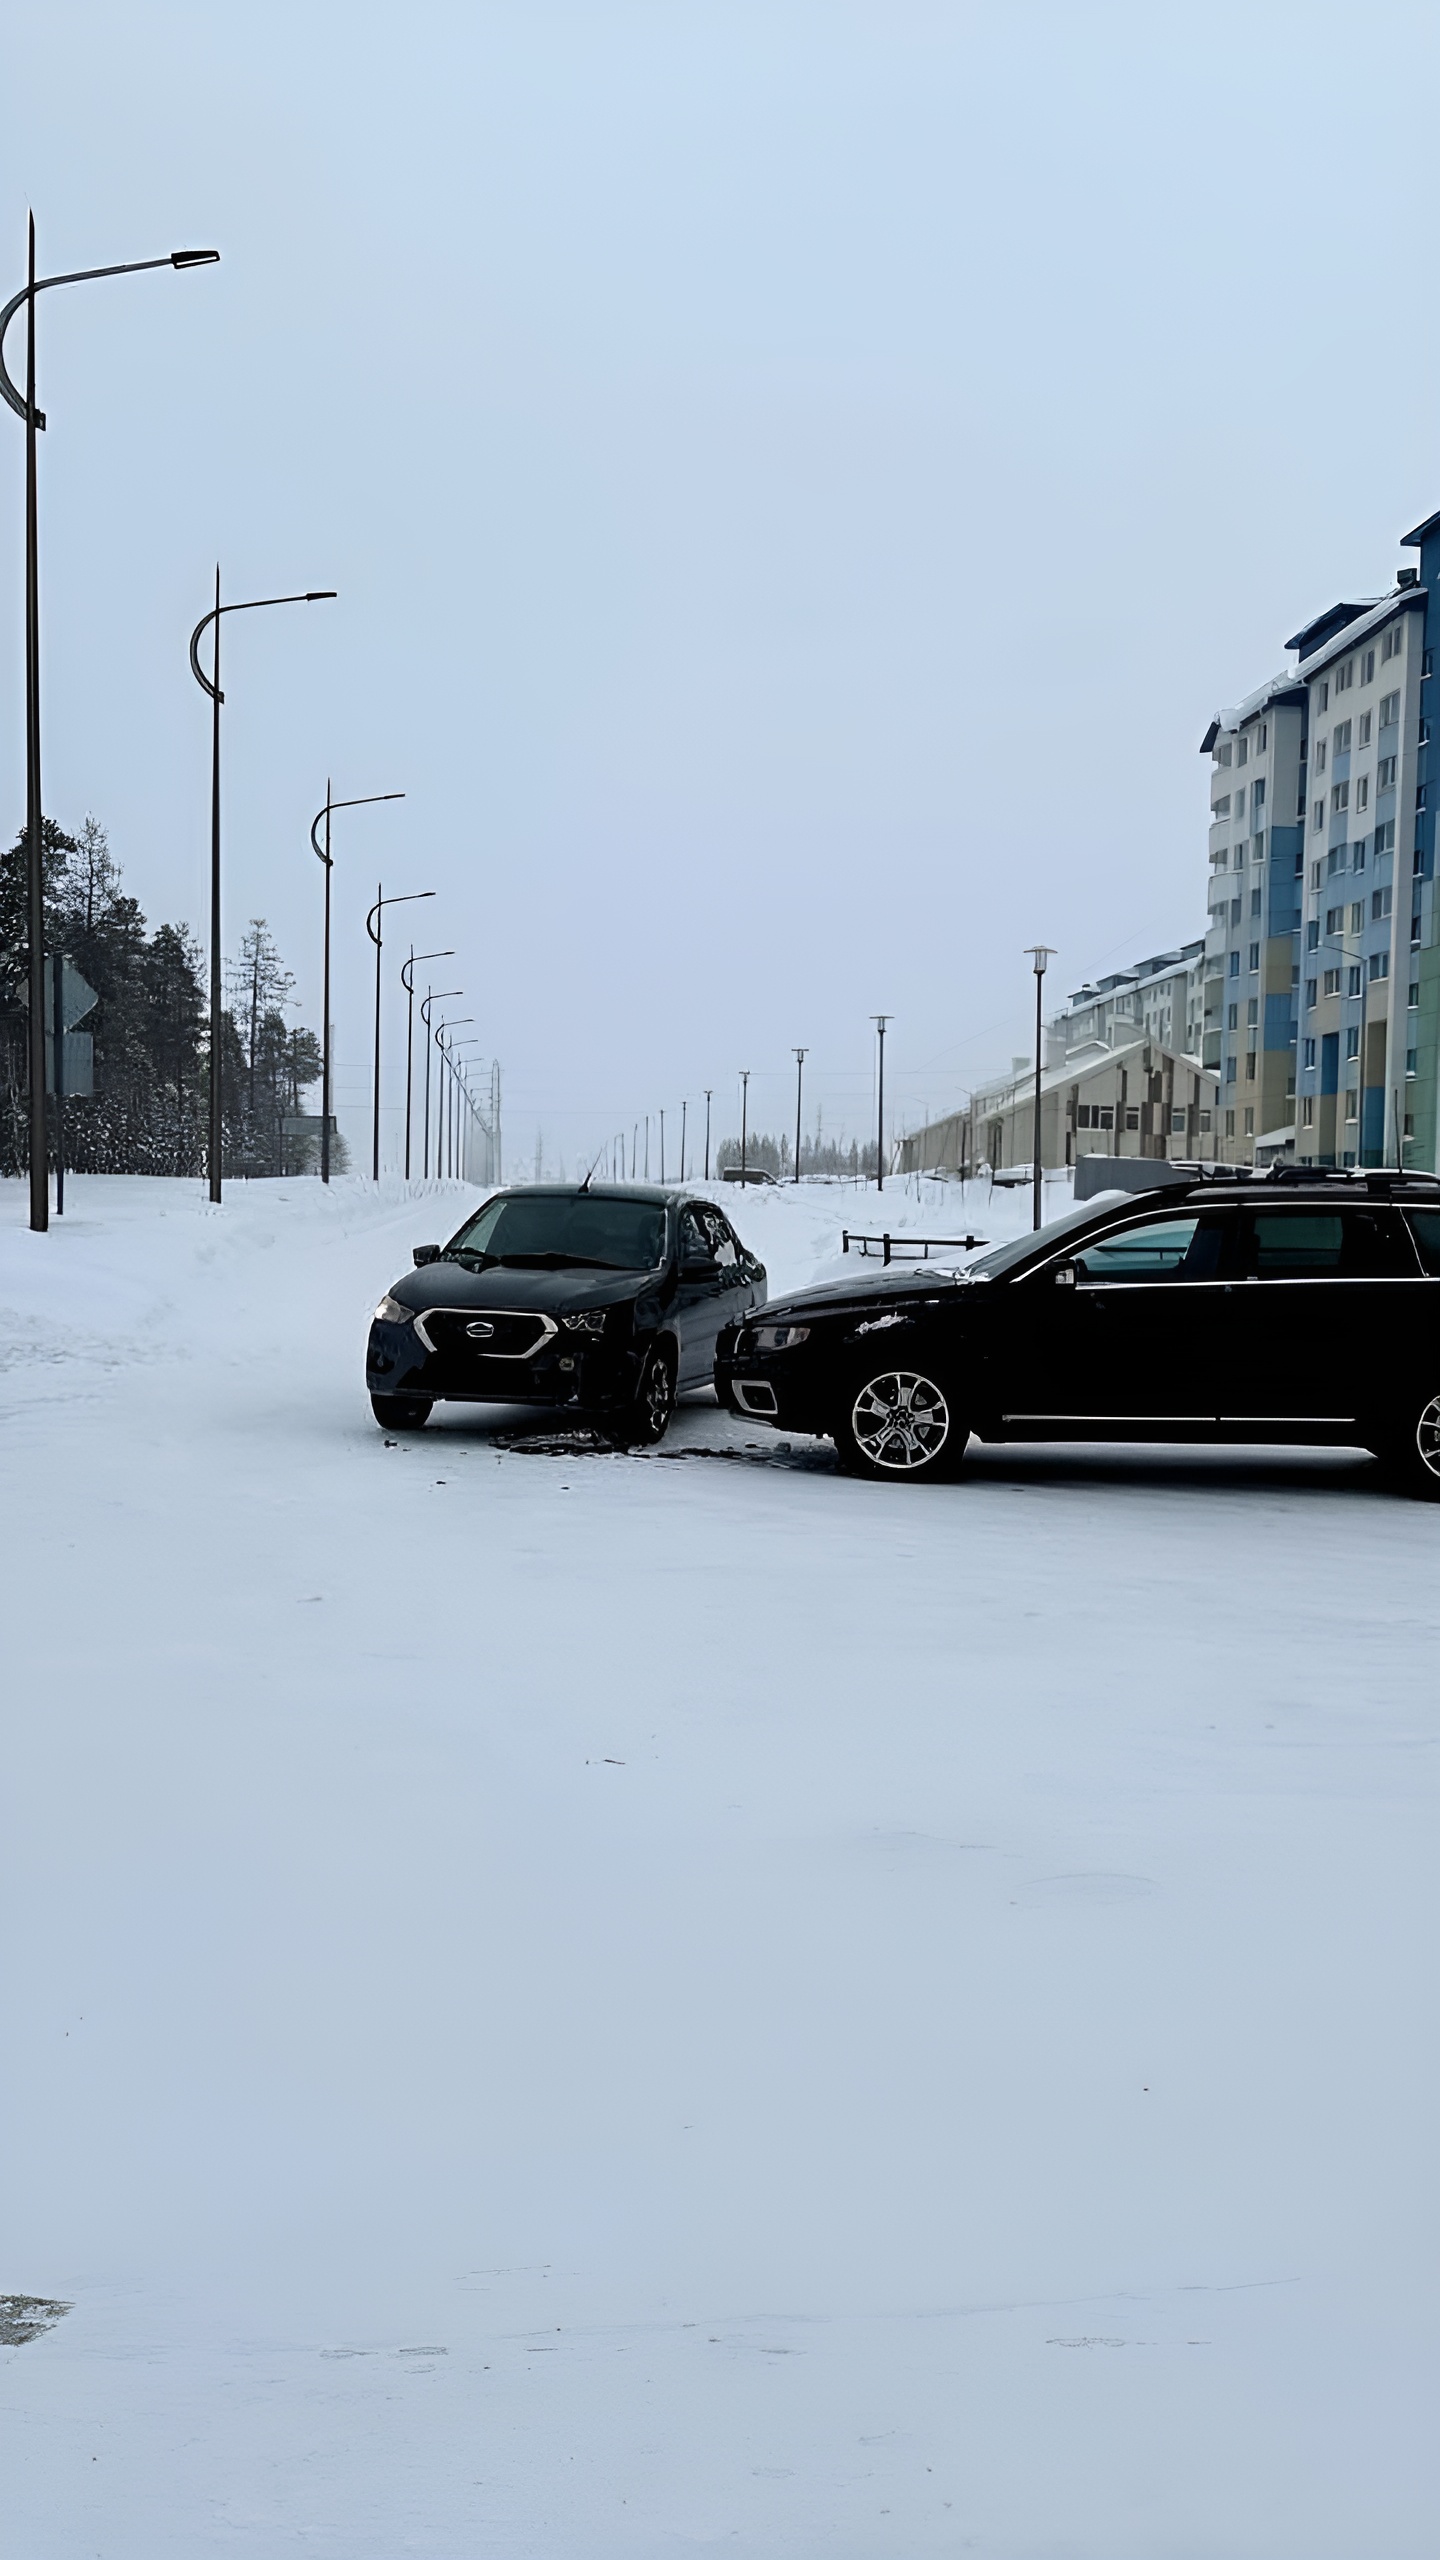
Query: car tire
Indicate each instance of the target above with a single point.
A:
(400, 1413)
(900, 1425)
(1411, 1450)
(646, 1422)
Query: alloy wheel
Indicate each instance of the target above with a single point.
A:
(900, 1421)
(657, 1396)
(1427, 1438)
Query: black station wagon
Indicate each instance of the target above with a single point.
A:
(601, 1301)
(1300, 1309)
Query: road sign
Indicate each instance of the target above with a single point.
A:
(76, 997)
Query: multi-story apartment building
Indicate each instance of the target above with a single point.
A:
(1322, 991)
(1163, 997)
(1251, 971)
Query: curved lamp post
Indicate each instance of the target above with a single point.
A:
(408, 982)
(323, 851)
(34, 420)
(451, 1023)
(433, 995)
(374, 926)
(460, 1094)
(211, 684)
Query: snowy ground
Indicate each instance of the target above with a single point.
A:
(626, 2006)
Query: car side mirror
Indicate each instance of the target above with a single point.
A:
(1066, 1275)
(426, 1253)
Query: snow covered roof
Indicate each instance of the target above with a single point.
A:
(1381, 607)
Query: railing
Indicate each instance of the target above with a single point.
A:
(907, 1248)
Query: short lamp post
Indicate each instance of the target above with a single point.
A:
(880, 1020)
(368, 802)
(744, 1121)
(800, 1057)
(34, 419)
(708, 1090)
(1040, 954)
(374, 926)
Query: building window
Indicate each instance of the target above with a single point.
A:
(1177, 1124)
(1324, 696)
(1316, 874)
(1257, 794)
(1257, 847)
(1385, 774)
(1232, 1070)
(1365, 718)
(1362, 792)
(1410, 1067)
(1307, 1112)
(1220, 810)
(1255, 902)
(1319, 755)
(1345, 676)
(1249, 1124)
(1332, 982)
(1132, 1119)
(1229, 1124)
(1250, 1066)
(1389, 710)
(1239, 857)
(1351, 1102)
(1422, 795)
(1409, 1124)
(1352, 1041)
(1312, 934)
(1385, 838)
(1234, 964)
(1309, 1053)
(1341, 741)
(1352, 980)
(1235, 908)
(1379, 965)
(1204, 1124)
(1367, 674)
(1380, 904)
(1393, 644)
(1357, 853)
(1424, 733)
(1334, 921)
(1317, 817)
(1240, 802)
(1412, 995)
(1357, 916)
(1339, 798)
(1223, 752)
(1232, 1017)
(1311, 992)
(1252, 1010)
(1242, 749)
(1254, 955)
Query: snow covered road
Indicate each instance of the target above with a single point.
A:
(611, 2006)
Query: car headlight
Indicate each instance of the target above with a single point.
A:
(591, 1321)
(390, 1311)
(780, 1337)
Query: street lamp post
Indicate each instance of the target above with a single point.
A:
(1040, 953)
(442, 1098)
(880, 1020)
(407, 980)
(708, 1090)
(433, 995)
(800, 1057)
(744, 1120)
(374, 926)
(684, 1115)
(34, 421)
(367, 802)
(211, 684)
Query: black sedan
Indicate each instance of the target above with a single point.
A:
(601, 1301)
(1283, 1310)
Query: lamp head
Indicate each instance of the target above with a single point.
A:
(194, 257)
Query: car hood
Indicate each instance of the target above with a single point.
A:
(449, 1284)
(887, 1288)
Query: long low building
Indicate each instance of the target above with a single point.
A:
(1138, 1098)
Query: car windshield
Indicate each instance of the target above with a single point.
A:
(1005, 1257)
(549, 1229)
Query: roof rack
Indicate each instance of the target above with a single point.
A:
(1383, 1179)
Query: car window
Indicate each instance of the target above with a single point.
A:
(725, 1247)
(1425, 1228)
(695, 1244)
(1312, 1244)
(1155, 1252)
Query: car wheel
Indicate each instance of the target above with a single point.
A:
(648, 1419)
(400, 1413)
(1412, 1449)
(899, 1422)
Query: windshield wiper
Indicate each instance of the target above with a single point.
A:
(554, 1261)
(468, 1253)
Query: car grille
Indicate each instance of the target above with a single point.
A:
(486, 1333)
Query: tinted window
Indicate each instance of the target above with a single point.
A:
(723, 1243)
(1309, 1244)
(1425, 1228)
(1179, 1248)
(1004, 1257)
(695, 1244)
(559, 1227)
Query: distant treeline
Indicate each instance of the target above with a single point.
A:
(149, 1112)
(837, 1156)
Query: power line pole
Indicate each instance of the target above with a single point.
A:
(744, 1119)
(684, 1110)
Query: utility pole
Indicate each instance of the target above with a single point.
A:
(744, 1119)
(800, 1057)
(684, 1109)
(707, 1132)
(1040, 954)
(662, 1146)
(880, 1020)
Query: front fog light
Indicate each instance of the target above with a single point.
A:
(390, 1311)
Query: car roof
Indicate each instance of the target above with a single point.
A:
(657, 1193)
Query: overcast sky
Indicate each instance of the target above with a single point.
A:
(798, 479)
